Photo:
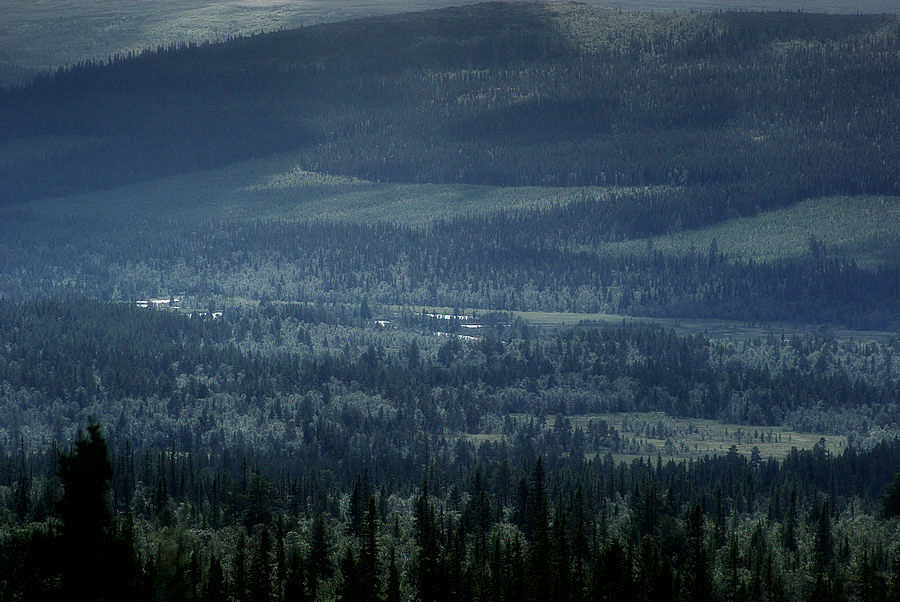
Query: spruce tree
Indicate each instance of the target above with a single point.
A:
(85, 513)
(260, 577)
(368, 557)
(430, 579)
(539, 551)
(696, 581)
(351, 589)
(393, 583)
(320, 565)
(215, 587)
(890, 499)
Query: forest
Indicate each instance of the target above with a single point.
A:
(750, 110)
(458, 305)
(300, 452)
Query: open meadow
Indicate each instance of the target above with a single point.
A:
(656, 435)
(863, 228)
(684, 438)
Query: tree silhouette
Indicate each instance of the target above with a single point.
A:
(85, 513)
(890, 499)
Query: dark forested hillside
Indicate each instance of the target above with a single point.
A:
(755, 110)
(550, 259)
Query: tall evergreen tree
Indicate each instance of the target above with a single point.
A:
(352, 588)
(368, 556)
(890, 498)
(430, 578)
(85, 513)
(789, 528)
(214, 591)
(260, 577)
(239, 569)
(893, 583)
(537, 527)
(293, 586)
(320, 565)
(695, 582)
(612, 574)
(393, 583)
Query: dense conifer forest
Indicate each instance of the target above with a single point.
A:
(221, 378)
(297, 452)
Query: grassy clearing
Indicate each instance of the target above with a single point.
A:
(277, 188)
(715, 329)
(866, 228)
(691, 437)
(712, 328)
(656, 434)
(414, 204)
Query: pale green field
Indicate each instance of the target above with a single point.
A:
(695, 438)
(866, 228)
(709, 327)
(279, 188)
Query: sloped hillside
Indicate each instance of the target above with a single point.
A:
(757, 109)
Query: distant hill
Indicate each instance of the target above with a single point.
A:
(511, 157)
(756, 110)
(45, 35)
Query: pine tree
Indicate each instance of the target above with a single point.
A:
(696, 582)
(653, 578)
(352, 588)
(890, 499)
(368, 556)
(85, 513)
(869, 583)
(393, 583)
(293, 585)
(280, 575)
(539, 551)
(214, 591)
(788, 530)
(823, 546)
(430, 579)
(560, 560)
(357, 506)
(239, 569)
(611, 579)
(260, 577)
(580, 551)
(320, 565)
(893, 584)
(22, 493)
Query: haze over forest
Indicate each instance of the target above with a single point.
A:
(502, 301)
(39, 35)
